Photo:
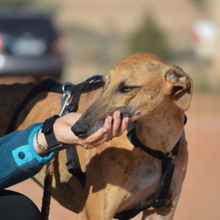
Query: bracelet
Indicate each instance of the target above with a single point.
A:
(40, 146)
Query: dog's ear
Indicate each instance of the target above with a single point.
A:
(182, 87)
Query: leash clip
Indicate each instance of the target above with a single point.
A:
(65, 97)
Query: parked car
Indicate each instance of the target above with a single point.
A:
(29, 44)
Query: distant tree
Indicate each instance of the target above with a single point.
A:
(149, 37)
(200, 4)
(14, 3)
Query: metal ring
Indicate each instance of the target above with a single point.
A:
(66, 84)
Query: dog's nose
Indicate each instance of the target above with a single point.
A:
(80, 129)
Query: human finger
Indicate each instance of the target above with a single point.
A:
(123, 126)
(96, 139)
(116, 123)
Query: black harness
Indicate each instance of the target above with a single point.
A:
(73, 164)
(168, 166)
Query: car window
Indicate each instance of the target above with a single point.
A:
(39, 28)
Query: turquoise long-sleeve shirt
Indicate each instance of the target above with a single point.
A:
(18, 159)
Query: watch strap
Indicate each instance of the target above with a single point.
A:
(47, 129)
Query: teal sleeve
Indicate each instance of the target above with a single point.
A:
(18, 159)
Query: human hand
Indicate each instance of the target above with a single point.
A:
(113, 127)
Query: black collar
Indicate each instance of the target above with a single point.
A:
(154, 153)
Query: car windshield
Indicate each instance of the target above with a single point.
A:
(39, 28)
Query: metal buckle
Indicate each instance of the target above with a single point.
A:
(65, 97)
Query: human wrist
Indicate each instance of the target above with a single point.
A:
(50, 137)
(40, 143)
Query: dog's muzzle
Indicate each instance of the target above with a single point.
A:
(80, 129)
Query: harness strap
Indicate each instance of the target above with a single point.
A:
(159, 198)
(137, 143)
(73, 164)
(154, 153)
(90, 84)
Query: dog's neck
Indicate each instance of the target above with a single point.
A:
(161, 131)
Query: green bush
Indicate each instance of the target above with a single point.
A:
(150, 38)
(200, 4)
(14, 3)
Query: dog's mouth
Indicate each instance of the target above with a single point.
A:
(83, 129)
(124, 114)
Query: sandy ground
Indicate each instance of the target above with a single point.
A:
(200, 197)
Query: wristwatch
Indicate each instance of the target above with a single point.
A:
(47, 129)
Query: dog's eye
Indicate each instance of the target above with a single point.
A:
(127, 89)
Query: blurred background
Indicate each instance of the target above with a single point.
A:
(71, 40)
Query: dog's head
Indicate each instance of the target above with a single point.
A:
(136, 86)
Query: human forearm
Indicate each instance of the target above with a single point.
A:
(18, 159)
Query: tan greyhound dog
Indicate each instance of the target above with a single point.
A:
(119, 176)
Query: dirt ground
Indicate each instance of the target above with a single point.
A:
(200, 197)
